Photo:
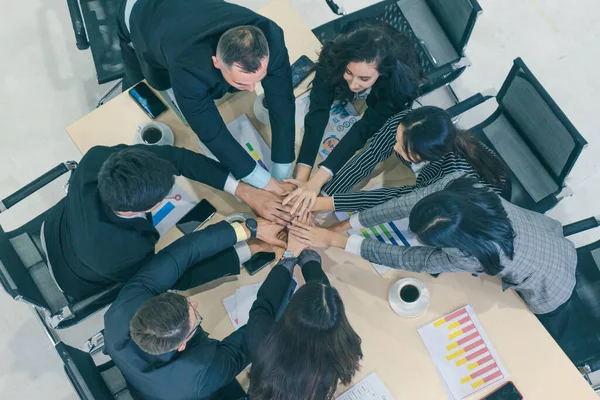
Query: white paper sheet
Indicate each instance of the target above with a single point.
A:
(248, 137)
(173, 207)
(370, 388)
(462, 353)
(395, 232)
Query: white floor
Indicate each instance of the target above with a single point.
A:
(46, 83)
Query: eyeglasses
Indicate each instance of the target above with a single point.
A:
(199, 320)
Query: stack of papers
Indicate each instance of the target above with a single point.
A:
(172, 208)
(370, 388)
(396, 233)
(238, 306)
(462, 353)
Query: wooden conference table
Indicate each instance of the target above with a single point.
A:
(391, 345)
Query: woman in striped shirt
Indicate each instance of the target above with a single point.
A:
(426, 141)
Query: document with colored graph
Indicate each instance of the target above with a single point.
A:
(462, 353)
(248, 137)
(394, 232)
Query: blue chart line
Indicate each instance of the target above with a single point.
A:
(162, 213)
(399, 234)
(377, 235)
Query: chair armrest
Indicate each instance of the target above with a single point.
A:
(78, 26)
(468, 104)
(580, 226)
(37, 184)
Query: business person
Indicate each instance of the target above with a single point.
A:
(204, 50)
(101, 233)
(155, 337)
(312, 347)
(464, 226)
(426, 141)
(372, 62)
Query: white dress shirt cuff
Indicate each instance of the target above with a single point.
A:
(330, 172)
(231, 184)
(243, 251)
(259, 178)
(354, 221)
(281, 171)
(354, 243)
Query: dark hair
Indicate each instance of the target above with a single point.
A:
(244, 45)
(395, 55)
(135, 180)
(308, 351)
(161, 324)
(468, 217)
(430, 134)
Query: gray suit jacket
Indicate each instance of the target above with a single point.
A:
(542, 270)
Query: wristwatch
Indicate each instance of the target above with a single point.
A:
(288, 254)
(252, 226)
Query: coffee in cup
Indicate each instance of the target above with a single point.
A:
(151, 135)
(409, 293)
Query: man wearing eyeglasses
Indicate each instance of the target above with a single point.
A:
(154, 336)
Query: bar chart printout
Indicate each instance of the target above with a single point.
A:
(370, 388)
(462, 353)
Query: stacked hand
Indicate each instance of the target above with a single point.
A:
(266, 204)
(318, 237)
(305, 196)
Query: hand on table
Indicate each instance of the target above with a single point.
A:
(265, 204)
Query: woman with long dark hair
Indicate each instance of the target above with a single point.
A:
(304, 354)
(427, 141)
(374, 62)
(467, 227)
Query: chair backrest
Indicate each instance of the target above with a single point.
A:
(540, 122)
(457, 18)
(15, 277)
(100, 18)
(83, 374)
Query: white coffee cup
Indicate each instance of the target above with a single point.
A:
(409, 297)
(154, 134)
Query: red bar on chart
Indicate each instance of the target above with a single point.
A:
(450, 317)
(460, 322)
(487, 379)
(462, 341)
(479, 362)
(459, 332)
(471, 356)
(478, 373)
(473, 345)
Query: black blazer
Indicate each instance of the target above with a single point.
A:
(181, 36)
(89, 247)
(315, 122)
(206, 364)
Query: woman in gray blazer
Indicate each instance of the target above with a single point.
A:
(464, 226)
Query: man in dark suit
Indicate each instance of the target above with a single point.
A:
(204, 50)
(155, 337)
(100, 233)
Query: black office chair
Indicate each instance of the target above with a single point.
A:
(440, 29)
(536, 140)
(581, 340)
(24, 271)
(97, 29)
(105, 382)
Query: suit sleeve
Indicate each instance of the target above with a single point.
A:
(192, 165)
(355, 139)
(168, 265)
(315, 122)
(229, 360)
(265, 307)
(280, 97)
(199, 109)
